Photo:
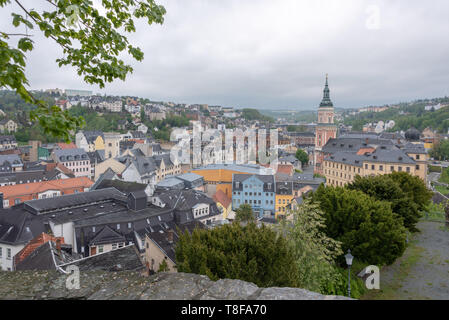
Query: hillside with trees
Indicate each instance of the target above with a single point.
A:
(406, 115)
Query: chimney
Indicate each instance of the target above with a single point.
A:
(170, 234)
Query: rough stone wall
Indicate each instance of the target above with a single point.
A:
(25, 285)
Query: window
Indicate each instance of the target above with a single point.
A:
(408, 169)
(8, 253)
(417, 157)
(115, 246)
(100, 249)
(16, 201)
(417, 167)
(373, 167)
(118, 226)
(381, 168)
(391, 168)
(399, 169)
(1, 252)
(129, 225)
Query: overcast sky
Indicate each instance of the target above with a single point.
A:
(275, 54)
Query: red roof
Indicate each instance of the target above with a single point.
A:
(37, 187)
(362, 151)
(34, 244)
(63, 145)
(285, 168)
(222, 198)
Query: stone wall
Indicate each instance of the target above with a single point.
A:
(133, 286)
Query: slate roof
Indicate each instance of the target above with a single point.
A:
(123, 186)
(265, 179)
(91, 136)
(121, 259)
(414, 148)
(18, 226)
(109, 174)
(10, 159)
(107, 235)
(77, 154)
(145, 165)
(382, 155)
(45, 257)
(41, 206)
(161, 239)
(353, 142)
(97, 156)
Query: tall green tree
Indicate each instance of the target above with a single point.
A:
(440, 151)
(363, 224)
(244, 213)
(414, 187)
(91, 42)
(384, 187)
(302, 156)
(248, 253)
(315, 252)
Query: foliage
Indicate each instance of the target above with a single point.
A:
(435, 211)
(363, 224)
(244, 213)
(164, 126)
(440, 151)
(107, 121)
(302, 156)
(248, 253)
(314, 251)
(406, 116)
(444, 177)
(163, 267)
(414, 187)
(383, 187)
(91, 42)
(253, 114)
(434, 168)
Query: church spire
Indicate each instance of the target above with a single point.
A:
(326, 102)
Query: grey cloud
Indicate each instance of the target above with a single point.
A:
(267, 53)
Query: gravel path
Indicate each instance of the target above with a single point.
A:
(423, 271)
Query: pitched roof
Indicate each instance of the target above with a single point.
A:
(285, 168)
(18, 226)
(71, 200)
(70, 145)
(37, 187)
(107, 235)
(34, 244)
(222, 198)
(71, 154)
(121, 259)
(45, 257)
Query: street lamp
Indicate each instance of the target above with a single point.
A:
(349, 259)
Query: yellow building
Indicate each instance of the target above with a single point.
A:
(223, 202)
(341, 168)
(98, 144)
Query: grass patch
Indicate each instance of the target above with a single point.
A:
(442, 190)
(390, 290)
(435, 212)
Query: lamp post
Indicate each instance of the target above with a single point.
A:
(349, 259)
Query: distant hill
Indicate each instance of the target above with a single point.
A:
(406, 115)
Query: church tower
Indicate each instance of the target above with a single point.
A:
(325, 129)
